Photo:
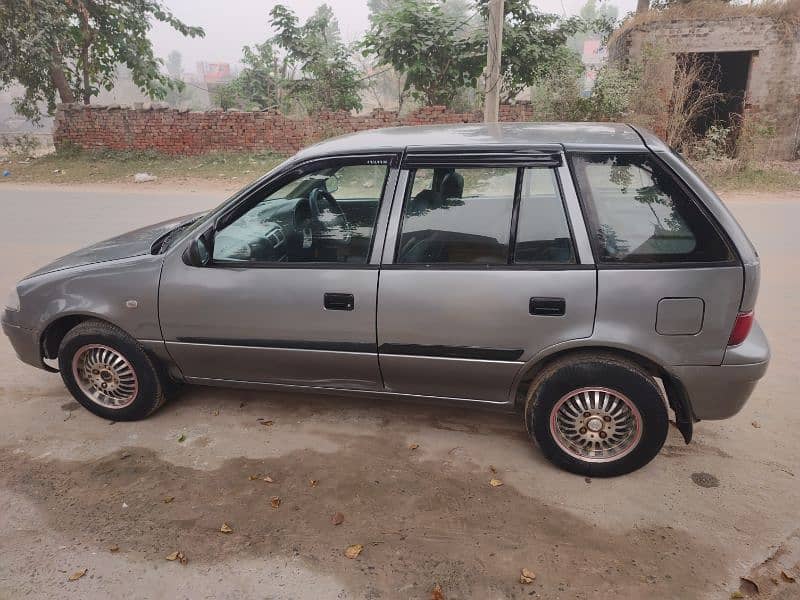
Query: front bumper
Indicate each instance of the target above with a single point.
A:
(25, 343)
(719, 392)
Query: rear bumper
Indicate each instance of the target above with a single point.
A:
(25, 343)
(719, 392)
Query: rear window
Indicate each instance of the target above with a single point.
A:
(640, 214)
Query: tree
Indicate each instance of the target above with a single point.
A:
(303, 64)
(174, 64)
(435, 51)
(260, 84)
(441, 46)
(71, 48)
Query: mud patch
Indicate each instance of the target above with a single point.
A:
(421, 522)
(706, 480)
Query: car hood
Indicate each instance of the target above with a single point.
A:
(133, 243)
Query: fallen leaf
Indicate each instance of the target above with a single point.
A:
(353, 551)
(181, 438)
(493, 469)
(413, 446)
(756, 424)
(749, 585)
(275, 501)
(788, 578)
(124, 455)
(215, 413)
(737, 594)
(527, 576)
(114, 548)
(437, 593)
(168, 499)
(266, 423)
(179, 556)
(495, 482)
(313, 482)
(269, 479)
(253, 477)
(226, 528)
(77, 575)
(337, 518)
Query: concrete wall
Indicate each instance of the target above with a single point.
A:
(773, 90)
(183, 132)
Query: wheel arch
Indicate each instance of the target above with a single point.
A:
(677, 397)
(53, 333)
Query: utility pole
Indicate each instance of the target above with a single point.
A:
(491, 107)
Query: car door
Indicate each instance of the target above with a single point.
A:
(289, 295)
(486, 264)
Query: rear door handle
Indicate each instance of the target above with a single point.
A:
(548, 307)
(339, 301)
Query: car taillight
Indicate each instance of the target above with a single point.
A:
(744, 321)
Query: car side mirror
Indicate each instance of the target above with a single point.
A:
(332, 184)
(197, 254)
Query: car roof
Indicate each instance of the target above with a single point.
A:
(476, 136)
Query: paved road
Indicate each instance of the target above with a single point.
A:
(73, 486)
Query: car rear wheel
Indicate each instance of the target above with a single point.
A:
(597, 415)
(109, 372)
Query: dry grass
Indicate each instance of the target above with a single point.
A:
(119, 167)
(731, 175)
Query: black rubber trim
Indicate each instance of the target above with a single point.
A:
(465, 352)
(364, 347)
(523, 157)
(486, 267)
(222, 264)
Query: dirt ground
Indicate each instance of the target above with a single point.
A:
(411, 480)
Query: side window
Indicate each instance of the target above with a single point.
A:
(458, 216)
(326, 215)
(642, 215)
(543, 235)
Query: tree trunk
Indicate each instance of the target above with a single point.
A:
(59, 79)
(642, 6)
(87, 92)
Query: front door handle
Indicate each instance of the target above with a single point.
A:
(339, 301)
(548, 307)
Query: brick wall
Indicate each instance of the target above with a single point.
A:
(175, 131)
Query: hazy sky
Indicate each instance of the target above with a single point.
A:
(231, 24)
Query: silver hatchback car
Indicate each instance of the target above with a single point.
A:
(582, 273)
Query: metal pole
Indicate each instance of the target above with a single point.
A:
(491, 108)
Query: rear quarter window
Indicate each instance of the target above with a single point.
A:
(639, 213)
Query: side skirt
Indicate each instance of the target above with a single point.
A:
(279, 387)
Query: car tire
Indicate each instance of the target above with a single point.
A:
(109, 372)
(596, 415)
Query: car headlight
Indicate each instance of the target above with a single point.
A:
(12, 302)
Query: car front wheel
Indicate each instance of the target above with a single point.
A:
(597, 415)
(109, 372)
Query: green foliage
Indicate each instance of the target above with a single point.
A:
(438, 57)
(304, 66)
(73, 48)
(558, 97)
(440, 46)
(535, 43)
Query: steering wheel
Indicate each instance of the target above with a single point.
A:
(321, 222)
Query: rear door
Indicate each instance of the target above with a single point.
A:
(486, 263)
